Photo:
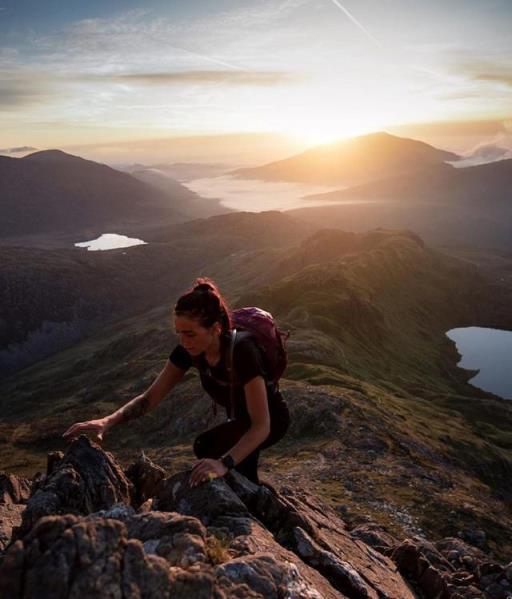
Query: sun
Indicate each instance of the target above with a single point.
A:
(327, 130)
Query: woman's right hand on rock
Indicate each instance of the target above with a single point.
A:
(94, 428)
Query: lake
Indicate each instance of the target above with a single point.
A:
(489, 350)
(109, 241)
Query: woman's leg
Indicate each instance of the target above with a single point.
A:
(217, 441)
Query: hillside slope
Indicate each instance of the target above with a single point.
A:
(384, 425)
(50, 299)
(55, 194)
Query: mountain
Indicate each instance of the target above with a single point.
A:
(385, 427)
(52, 193)
(443, 204)
(352, 161)
(182, 171)
(485, 185)
(193, 204)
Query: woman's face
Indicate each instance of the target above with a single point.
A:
(195, 338)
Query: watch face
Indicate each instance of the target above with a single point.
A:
(228, 462)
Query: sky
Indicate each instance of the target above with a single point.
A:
(113, 71)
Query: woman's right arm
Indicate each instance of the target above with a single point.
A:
(169, 376)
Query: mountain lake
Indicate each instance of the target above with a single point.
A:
(109, 241)
(490, 351)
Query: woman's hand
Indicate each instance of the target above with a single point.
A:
(206, 469)
(96, 428)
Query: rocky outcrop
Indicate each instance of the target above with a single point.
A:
(452, 569)
(14, 489)
(90, 530)
(86, 479)
(14, 492)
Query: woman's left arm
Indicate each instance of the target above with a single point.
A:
(257, 406)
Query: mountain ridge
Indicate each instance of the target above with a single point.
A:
(351, 161)
(53, 194)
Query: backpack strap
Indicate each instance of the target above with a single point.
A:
(231, 412)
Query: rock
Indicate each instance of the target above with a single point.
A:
(146, 478)
(206, 501)
(268, 577)
(496, 591)
(14, 489)
(250, 538)
(53, 460)
(68, 556)
(340, 573)
(10, 518)
(477, 538)
(87, 531)
(316, 534)
(180, 540)
(86, 479)
(486, 568)
(373, 535)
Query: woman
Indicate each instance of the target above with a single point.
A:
(203, 326)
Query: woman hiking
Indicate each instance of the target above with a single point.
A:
(232, 373)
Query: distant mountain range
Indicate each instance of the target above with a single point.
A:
(445, 205)
(56, 194)
(352, 161)
(485, 184)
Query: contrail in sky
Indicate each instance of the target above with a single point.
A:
(356, 22)
(212, 59)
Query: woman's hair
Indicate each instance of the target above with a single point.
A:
(204, 303)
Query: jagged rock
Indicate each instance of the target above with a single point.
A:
(86, 535)
(315, 533)
(146, 477)
(180, 540)
(373, 535)
(84, 480)
(14, 489)
(435, 575)
(339, 572)
(68, 556)
(53, 460)
(272, 579)
(207, 501)
(10, 518)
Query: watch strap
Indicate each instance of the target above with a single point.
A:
(228, 461)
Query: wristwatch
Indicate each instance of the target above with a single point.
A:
(228, 461)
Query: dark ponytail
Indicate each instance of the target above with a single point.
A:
(205, 303)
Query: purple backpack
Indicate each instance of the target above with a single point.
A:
(270, 340)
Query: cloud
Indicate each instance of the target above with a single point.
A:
(22, 91)
(265, 78)
(19, 150)
(487, 71)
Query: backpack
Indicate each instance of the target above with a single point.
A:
(270, 340)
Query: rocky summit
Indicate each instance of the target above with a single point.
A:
(88, 528)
